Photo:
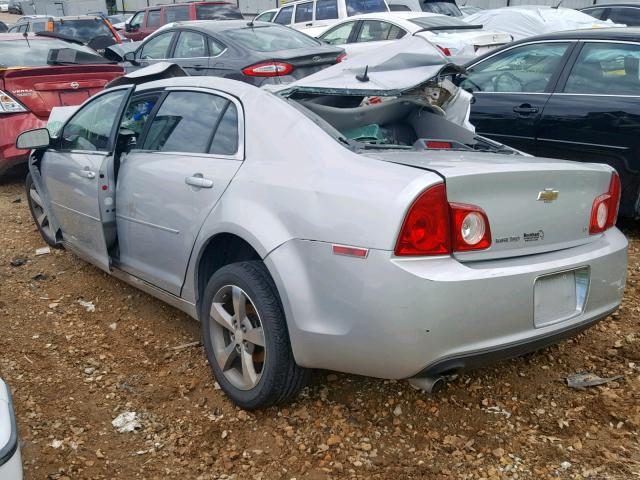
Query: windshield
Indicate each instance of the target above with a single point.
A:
(270, 38)
(445, 8)
(19, 53)
(83, 30)
(217, 12)
(356, 7)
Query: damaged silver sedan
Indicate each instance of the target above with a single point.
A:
(351, 221)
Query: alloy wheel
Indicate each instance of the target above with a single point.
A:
(237, 337)
(39, 214)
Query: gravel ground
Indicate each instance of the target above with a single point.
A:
(73, 371)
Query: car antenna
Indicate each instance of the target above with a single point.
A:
(558, 4)
(250, 24)
(26, 37)
(364, 77)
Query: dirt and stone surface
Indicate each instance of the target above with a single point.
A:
(74, 368)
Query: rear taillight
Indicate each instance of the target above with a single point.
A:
(444, 50)
(341, 57)
(604, 211)
(433, 226)
(9, 105)
(268, 69)
(469, 228)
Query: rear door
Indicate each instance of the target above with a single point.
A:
(303, 15)
(373, 34)
(191, 52)
(167, 187)
(510, 90)
(594, 116)
(77, 177)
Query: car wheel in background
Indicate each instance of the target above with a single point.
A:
(39, 215)
(246, 338)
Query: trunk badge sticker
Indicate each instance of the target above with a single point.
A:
(548, 195)
(74, 85)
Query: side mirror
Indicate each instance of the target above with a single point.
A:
(33, 139)
(128, 27)
(126, 140)
(131, 58)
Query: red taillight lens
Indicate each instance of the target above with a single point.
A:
(268, 69)
(444, 50)
(604, 211)
(341, 57)
(470, 228)
(433, 226)
(438, 145)
(425, 230)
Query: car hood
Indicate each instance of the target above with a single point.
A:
(390, 70)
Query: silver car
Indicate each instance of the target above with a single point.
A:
(339, 224)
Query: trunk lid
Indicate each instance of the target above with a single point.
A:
(508, 187)
(41, 88)
(390, 70)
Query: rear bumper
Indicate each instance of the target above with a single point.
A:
(14, 124)
(397, 318)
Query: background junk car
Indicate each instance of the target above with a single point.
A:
(364, 33)
(572, 95)
(282, 249)
(145, 22)
(257, 52)
(37, 74)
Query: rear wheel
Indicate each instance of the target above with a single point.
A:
(36, 206)
(246, 338)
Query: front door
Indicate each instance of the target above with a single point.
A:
(187, 155)
(595, 114)
(510, 90)
(78, 180)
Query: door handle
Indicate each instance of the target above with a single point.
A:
(198, 181)
(525, 108)
(309, 24)
(199, 67)
(87, 174)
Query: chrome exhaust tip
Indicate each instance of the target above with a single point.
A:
(429, 384)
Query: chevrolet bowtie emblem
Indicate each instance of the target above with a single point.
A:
(548, 195)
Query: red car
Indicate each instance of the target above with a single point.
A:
(147, 21)
(37, 74)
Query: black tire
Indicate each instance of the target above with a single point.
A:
(47, 235)
(281, 378)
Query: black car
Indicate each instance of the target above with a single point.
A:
(626, 13)
(253, 52)
(572, 95)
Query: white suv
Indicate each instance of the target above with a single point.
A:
(314, 16)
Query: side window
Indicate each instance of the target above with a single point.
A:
(91, 126)
(338, 35)
(176, 14)
(375, 31)
(522, 69)
(38, 26)
(398, 8)
(190, 45)
(595, 12)
(626, 16)
(602, 68)
(215, 47)
(157, 47)
(136, 20)
(180, 126)
(304, 12)
(326, 9)
(137, 112)
(153, 18)
(284, 15)
(225, 139)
